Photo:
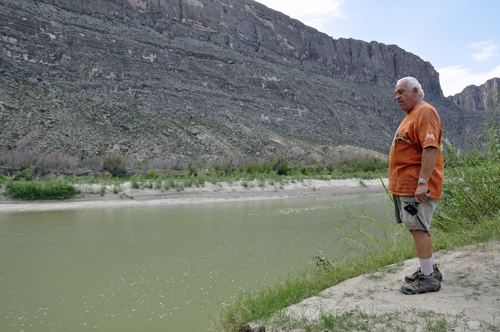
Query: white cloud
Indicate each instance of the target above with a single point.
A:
(487, 50)
(454, 79)
(306, 9)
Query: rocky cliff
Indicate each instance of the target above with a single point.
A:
(477, 97)
(196, 78)
(252, 29)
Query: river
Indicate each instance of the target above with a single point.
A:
(162, 268)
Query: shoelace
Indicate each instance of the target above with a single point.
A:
(416, 282)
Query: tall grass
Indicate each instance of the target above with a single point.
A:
(472, 194)
(472, 189)
(30, 190)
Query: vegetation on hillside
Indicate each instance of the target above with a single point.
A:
(112, 170)
(118, 165)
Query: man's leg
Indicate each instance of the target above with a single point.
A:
(426, 280)
(423, 244)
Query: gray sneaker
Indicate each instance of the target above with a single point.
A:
(424, 284)
(414, 276)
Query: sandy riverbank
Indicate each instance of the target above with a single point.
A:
(469, 299)
(221, 192)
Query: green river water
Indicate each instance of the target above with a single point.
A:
(162, 268)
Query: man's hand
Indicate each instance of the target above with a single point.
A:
(428, 161)
(422, 193)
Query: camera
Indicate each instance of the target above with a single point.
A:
(411, 208)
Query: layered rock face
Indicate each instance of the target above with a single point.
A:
(252, 29)
(192, 78)
(478, 97)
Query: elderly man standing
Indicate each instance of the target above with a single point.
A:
(416, 171)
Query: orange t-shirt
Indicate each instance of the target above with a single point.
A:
(420, 128)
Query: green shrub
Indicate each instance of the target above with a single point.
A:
(261, 181)
(229, 168)
(114, 164)
(117, 188)
(200, 179)
(213, 179)
(158, 184)
(6, 178)
(267, 167)
(359, 164)
(216, 169)
(152, 173)
(192, 170)
(281, 166)
(254, 168)
(25, 174)
(135, 181)
(188, 181)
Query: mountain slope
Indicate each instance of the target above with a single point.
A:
(190, 78)
(477, 97)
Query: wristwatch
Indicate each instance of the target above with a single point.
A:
(421, 181)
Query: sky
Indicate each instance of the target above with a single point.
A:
(460, 38)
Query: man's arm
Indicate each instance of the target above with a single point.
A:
(428, 161)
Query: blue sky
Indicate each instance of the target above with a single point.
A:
(460, 38)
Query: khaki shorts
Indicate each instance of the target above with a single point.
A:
(425, 212)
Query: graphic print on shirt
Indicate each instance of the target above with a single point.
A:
(399, 137)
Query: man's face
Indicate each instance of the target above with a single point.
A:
(406, 97)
